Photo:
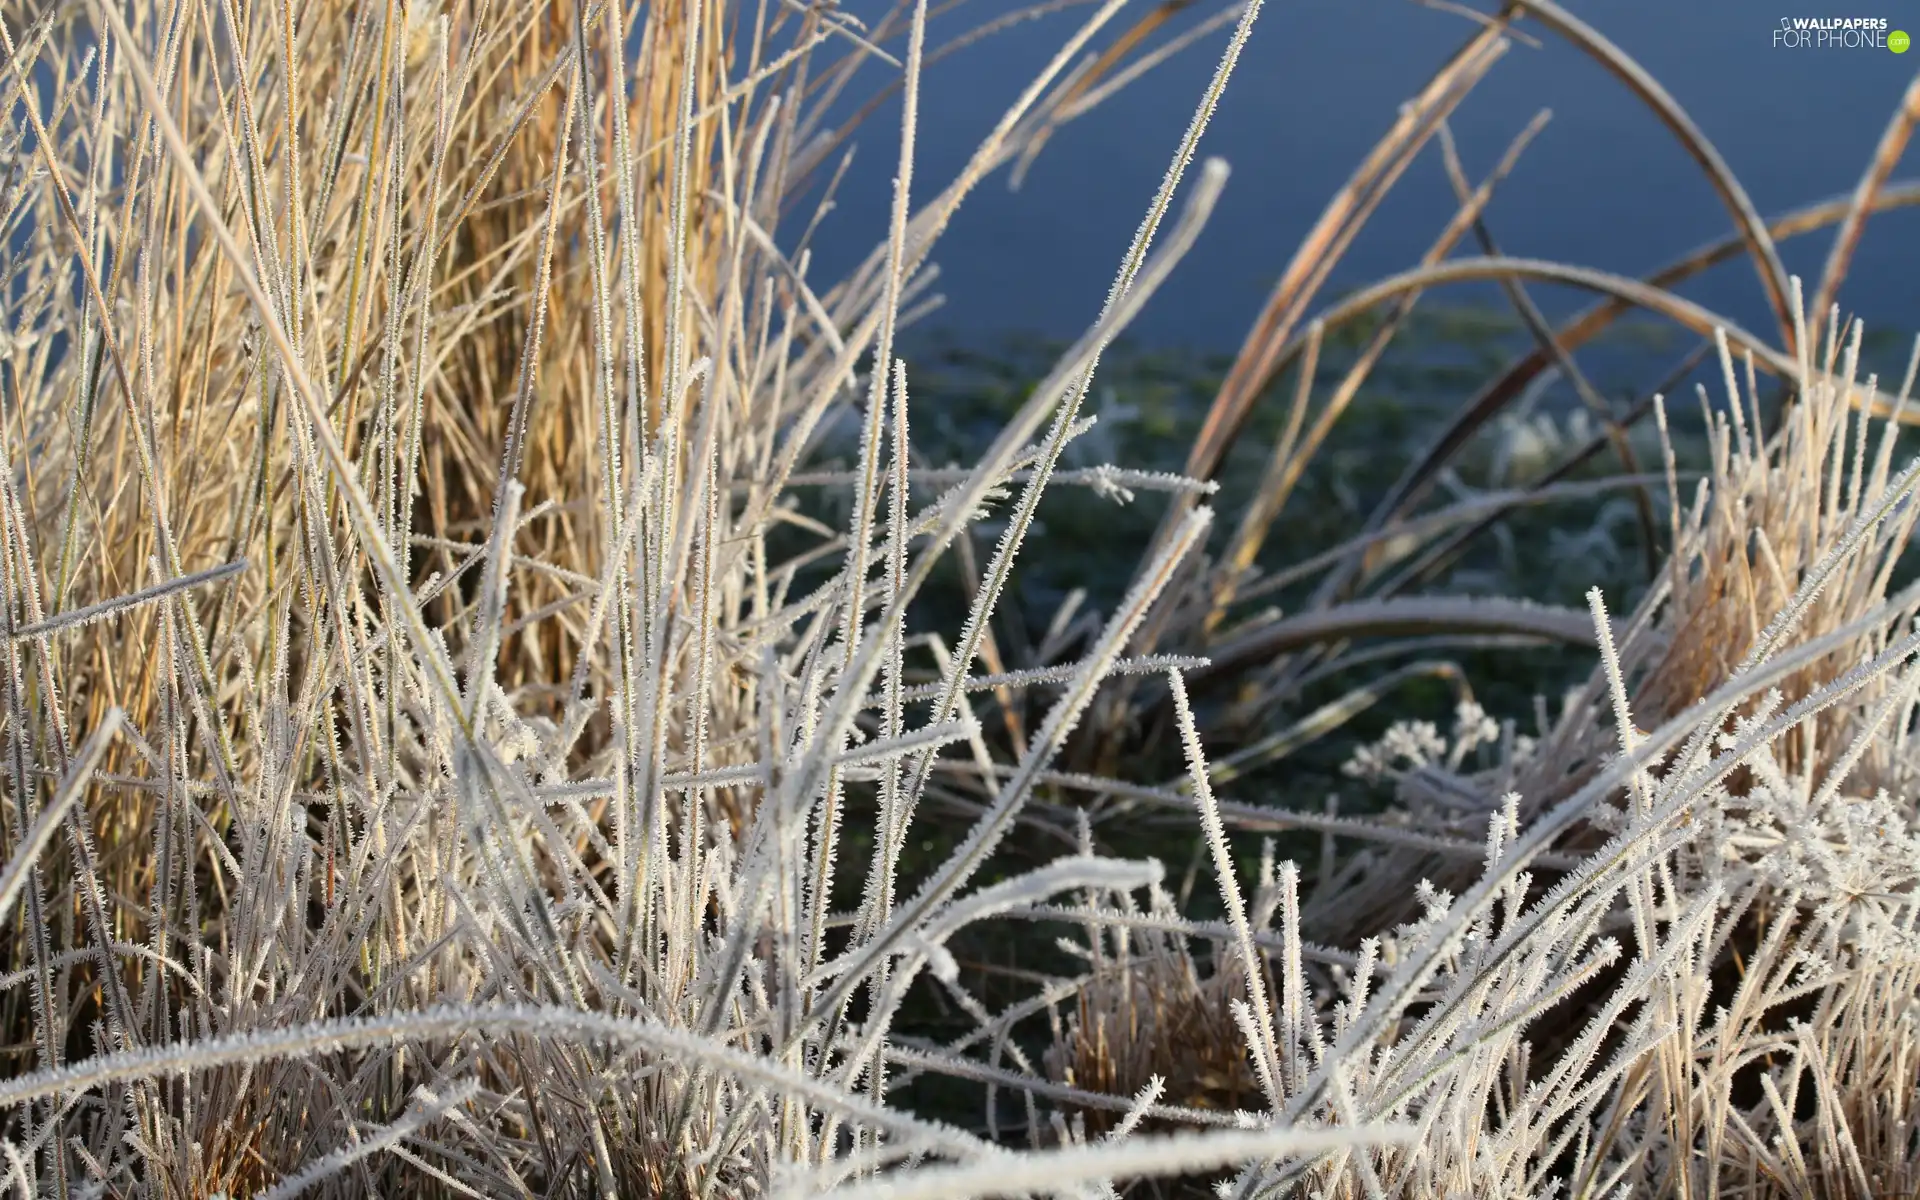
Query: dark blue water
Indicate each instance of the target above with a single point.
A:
(1605, 185)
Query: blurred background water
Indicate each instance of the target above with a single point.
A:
(1604, 185)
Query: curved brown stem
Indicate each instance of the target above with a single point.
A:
(1260, 356)
(1395, 616)
(1886, 156)
(1746, 219)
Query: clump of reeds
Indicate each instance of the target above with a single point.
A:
(435, 719)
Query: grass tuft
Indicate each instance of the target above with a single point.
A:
(500, 696)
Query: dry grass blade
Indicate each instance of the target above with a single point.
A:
(108, 608)
(1752, 230)
(1173, 1155)
(1396, 615)
(1259, 357)
(72, 788)
(451, 692)
(1886, 156)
